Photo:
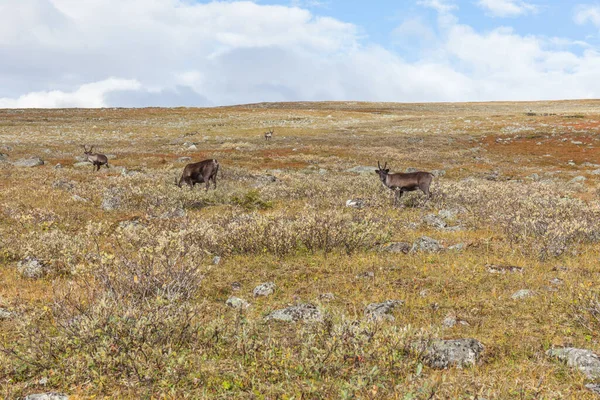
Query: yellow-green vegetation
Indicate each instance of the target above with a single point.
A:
(131, 303)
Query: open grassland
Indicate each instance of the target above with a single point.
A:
(126, 299)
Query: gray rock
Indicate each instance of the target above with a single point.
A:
(177, 212)
(237, 303)
(362, 170)
(63, 184)
(578, 179)
(586, 361)
(58, 166)
(3, 157)
(5, 314)
(216, 260)
(355, 203)
(366, 275)
(326, 297)
(29, 162)
(503, 269)
(438, 172)
(112, 200)
(593, 387)
(397, 247)
(458, 247)
(131, 224)
(435, 221)
(264, 289)
(595, 172)
(442, 354)
(184, 159)
(47, 396)
(451, 321)
(31, 267)
(82, 164)
(522, 294)
(534, 177)
(557, 282)
(301, 312)
(79, 199)
(236, 286)
(382, 311)
(427, 244)
(411, 169)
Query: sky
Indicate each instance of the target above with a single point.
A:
(140, 53)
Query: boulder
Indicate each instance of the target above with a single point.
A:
(443, 354)
(355, 203)
(397, 247)
(301, 312)
(382, 311)
(362, 169)
(427, 245)
(29, 162)
(47, 396)
(237, 303)
(522, 294)
(264, 289)
(586, 361)
(31, 267)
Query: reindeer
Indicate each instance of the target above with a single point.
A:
(203, 171)
(96, 159)
(401, 183)
(269, 134)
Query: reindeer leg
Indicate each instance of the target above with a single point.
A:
(214, 178)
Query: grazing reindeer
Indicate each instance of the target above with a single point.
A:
(408, 182)
(96, 159)
(269, 134)
(199, 172)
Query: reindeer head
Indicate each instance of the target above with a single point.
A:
(86, 151)
(382, 172)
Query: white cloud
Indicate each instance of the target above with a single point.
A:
(585, 13)
(59, 53)
(507, 8)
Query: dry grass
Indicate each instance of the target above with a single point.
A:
(132, 306)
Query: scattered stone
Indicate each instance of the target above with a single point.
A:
(112, 200)
(268, 178)
(382, 311)
(177, 212)
(534, 177)
(595, 172)
(355, 203)
(326, 296)
(58, 166)
(365, 275)
(438, 172)
(301, 312)
(236, 286)
(585, 361)
(560, 268)
(503, 269)
(458, 247)
(31, 267)
(29, 162)
(47, 396)
(492, 176)
(362, 170)
(578, 179)
(397, 247)
(3, 157)
(557, 282)
(448, 214)
(237, 303)
(435, 221)
(424, 293)
(411, 169)
(82, 164)
(216, 260)
(63, 184)
(79, 199)
(192, 147)
(593, 387)
(264, 289)
(131, 224)
(522, 294)
(442, 354)
(184, 159)
(427, 244)
(450, 321)
(5, 314)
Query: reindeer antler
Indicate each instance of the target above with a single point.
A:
(378, 165)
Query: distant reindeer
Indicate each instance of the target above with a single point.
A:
(269, 134)
(96, 159)
(203, 171)
(407, 182)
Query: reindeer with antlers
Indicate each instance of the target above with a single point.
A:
(407, 182)
(269, 135)
(96, 159)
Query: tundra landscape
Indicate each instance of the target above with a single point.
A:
(298, 277)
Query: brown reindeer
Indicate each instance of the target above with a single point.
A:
(203, 171)
(269, 134)
(96, 159)
(407, 182)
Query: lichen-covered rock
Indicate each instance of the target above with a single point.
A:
(237, 303)
(63, 185)
(216, 260)
(397, 247)
(382, 311)
(31, 267)
(503, 269)
(112, 199)
(522, 294)
(47, 396)
(451, 321)
(362, 170)
(585, 361)
(29, 162)
(443, 354)
(184, 159)
(355, 203)
(326, 297)
(5, 314)
(264, 289)
(427, 245)
(301, 312)
(593, 387)
(366, 275)
(435, 221)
